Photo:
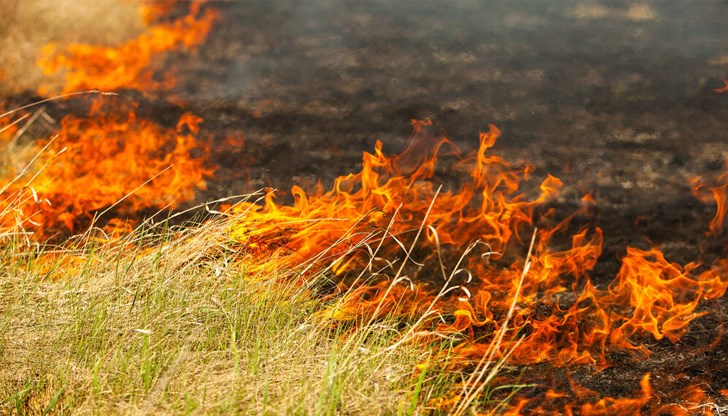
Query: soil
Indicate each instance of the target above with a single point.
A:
(616, 99)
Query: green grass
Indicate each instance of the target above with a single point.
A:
(185, 327)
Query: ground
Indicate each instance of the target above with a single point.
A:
(616, 99)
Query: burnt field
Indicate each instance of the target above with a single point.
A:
(615, 99)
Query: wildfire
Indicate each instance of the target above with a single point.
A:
(111, 159)
(649, 296)
(395, 241)
(137, 163)
(489, 207)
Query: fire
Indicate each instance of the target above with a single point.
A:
(130, 65)
(489, 207)
(689, 401)
(127, 152)
(722, 89)
(372, 216)
(379, 300)
(717, 193)
(664, 296)
(394, 241)
(649, 296)
(111, 159)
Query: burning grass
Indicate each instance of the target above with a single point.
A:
(129, 65)
(371, 268)
(119, 159)
(136, 158)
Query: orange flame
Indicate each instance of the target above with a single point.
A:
(650, 296)
(488, 208)
(649, 299)
(379, 300)
(369, 220)
(722, 89)
(717, 193)
(112, 159)
(129, 65)
(690, 400)
(663, 295)
(105, 159)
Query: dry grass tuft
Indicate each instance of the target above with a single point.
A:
(169, 322)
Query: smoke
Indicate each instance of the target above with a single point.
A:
(28, 25)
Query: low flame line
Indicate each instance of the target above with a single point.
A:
(408, 255)
(338, 241)
(379, 246)
(410, 334)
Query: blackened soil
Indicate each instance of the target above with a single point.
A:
(616, 99)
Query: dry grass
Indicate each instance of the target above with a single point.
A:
(170, 321)
(28, 25)
(182, 326)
